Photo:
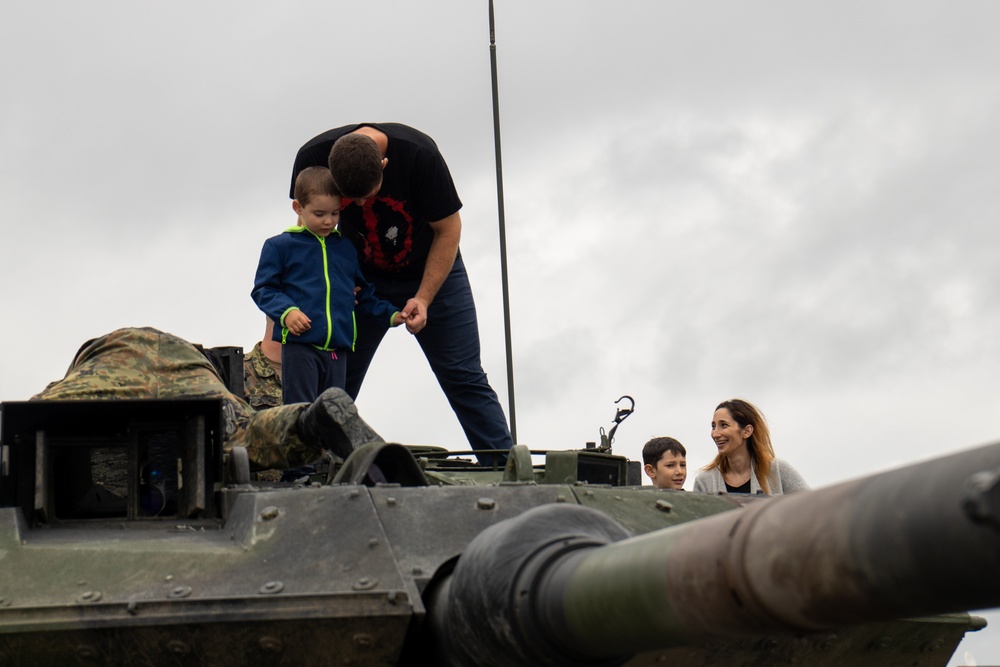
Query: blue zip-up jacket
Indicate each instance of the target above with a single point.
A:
(298, 269)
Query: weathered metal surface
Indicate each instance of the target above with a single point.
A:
(911, 643)
(291, 574)
(568, 588)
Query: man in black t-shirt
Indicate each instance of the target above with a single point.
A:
(400, 208)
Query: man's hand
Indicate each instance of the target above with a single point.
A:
(415, 315)
(297, 322)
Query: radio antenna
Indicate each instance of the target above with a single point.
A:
(503, 231)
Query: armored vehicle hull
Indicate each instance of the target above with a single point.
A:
(559, 563)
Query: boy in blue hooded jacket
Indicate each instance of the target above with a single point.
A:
(305, 282)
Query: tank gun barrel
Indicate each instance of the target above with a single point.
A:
(559, 585)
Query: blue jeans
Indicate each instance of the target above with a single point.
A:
(307, 372)
(450, 342)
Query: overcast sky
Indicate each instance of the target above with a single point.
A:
(787, 202)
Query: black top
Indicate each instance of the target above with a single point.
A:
(391, 232)
(742, 488)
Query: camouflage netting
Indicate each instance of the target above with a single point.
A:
(147, 363)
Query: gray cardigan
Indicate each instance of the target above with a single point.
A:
(783, 479)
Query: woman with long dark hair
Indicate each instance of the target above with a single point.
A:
(746, 462)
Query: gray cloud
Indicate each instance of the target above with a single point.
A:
(792, 203)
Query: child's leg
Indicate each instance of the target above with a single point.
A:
(301, 371)
(335, 370)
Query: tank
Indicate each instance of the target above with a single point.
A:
(128, 537)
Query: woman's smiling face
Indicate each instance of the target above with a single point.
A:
(728, 435)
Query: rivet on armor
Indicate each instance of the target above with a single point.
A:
(268, 513)
(881, 643)
(372, 543)
(364, 584)
(932, 646)
(354, 494)
(560, 498)
(90, 596)
(417, 570)
(178, 647)
(86, 651)
(363, 640)
(272, 587)
(270, 644)
(664, 506)
(390, 501)
(486, 503)
(180, 592)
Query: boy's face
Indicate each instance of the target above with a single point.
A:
(320, 216)
(670, 472)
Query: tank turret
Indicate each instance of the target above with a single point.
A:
(128, 538)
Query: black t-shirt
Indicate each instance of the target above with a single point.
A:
(742, 488)
(391, 233)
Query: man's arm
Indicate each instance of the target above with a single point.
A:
(440, 259)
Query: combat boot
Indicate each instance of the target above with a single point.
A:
(333, 421)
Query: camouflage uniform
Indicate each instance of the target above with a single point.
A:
(262, 390)
(261, 384)
(146, 363)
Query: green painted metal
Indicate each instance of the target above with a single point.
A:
(318, 574)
